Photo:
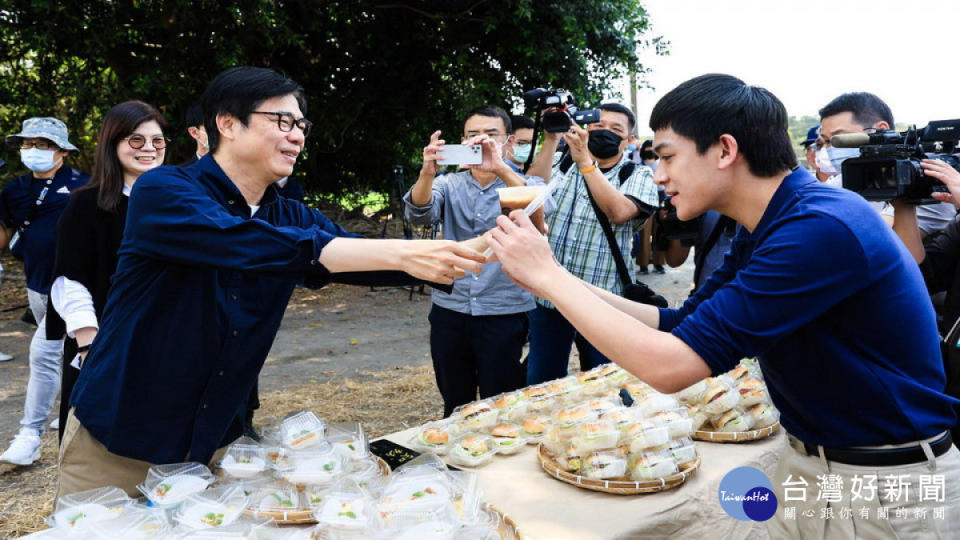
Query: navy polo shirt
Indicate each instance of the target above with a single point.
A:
(196, 301)
(829, 299)
(38, 239)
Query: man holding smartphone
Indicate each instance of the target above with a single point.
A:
(477, 332)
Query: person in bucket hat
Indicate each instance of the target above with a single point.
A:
(30, 206)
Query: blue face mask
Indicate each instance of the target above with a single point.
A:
(521, 152)
(38, 160)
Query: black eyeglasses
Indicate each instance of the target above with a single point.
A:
(41, 145)
(286, 121)
(138, 141)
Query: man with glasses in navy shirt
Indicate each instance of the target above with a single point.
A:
(30, 206)
(848, 343)
(209, 259)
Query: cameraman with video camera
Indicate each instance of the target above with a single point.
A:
(865, 113)
(939, 258)
(595, 165)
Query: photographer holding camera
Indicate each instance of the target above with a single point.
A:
(938, 255)
(595, 166)
(477, 331)
(863, 112)
(711, 236)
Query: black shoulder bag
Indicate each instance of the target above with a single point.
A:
(632, 290)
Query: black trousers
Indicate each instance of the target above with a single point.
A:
(471, 352)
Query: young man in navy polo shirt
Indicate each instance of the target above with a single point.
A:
(848, 343)
(30, 206)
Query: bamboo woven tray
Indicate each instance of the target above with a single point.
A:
(617, 487)
(736, 436)
(509, 530)
(301, 516)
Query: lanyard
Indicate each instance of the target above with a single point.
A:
(36, 206)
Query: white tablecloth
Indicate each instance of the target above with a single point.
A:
(545, 508)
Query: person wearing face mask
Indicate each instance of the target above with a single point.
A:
(197, 132)
(810, 148)
(858, 112)
(131, 142)
(30, 206)
(520, 143)
(596, 158)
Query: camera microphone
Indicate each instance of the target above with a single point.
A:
(850, 140)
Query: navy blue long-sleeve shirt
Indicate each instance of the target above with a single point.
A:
(197, 299)
(827, 297)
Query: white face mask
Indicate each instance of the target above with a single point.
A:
(37, 160)
(830, 158)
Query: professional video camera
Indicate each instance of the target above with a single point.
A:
(889, 164)
(563, 111)
(672, 227)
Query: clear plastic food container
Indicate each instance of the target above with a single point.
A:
(654, 403)
(244, 461)
(512, 406)
(477, 416)
(213, 508)
(432, 437)
(678, 422)
(733, 420)
(652, 466)
(170, 484)
(275, 498)
(535, 427)
(302, 431)
(683, 451)
(595, 436)
(348, 440)
(647, 434)
(567, 419)
(539, 399)
(77, 511)
(508, 437)
(320, 468)
(347, 512)
(473, 450)
(692, 393)
(719, 398)
(554, 441)
(414, 494)
(136, 524)
(604, 465)
(570, 460)
(763, 415)
(752, 392)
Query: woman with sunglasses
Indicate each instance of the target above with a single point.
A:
(131, 142)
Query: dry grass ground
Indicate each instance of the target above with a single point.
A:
(383, 401)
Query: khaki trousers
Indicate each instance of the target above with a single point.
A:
(85, 463)
(905, 517)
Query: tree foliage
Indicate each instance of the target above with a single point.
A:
(380, 75)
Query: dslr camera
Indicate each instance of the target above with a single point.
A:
(889, 164)
(564, 110)
(673, 228)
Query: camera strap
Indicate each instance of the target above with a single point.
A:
(701, 254)
(622, 271)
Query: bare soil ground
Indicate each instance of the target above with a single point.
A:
(344, 352)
